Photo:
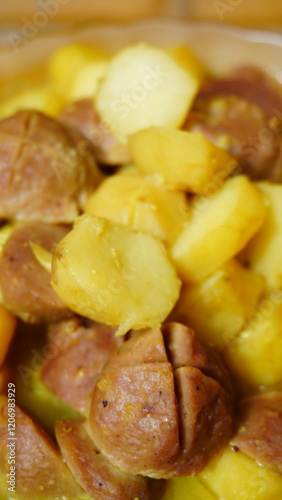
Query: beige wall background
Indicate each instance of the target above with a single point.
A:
(241, 12)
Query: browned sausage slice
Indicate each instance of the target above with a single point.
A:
(161, 418)
(260, 434)
(41, 473)
(46, 169)
(145, 346)
(250, 83)
(242, 113)
(92, 470)
(83, 116)
(134, 417)
(184, 349)
(83, 348)
(25, 284)
(204, 417)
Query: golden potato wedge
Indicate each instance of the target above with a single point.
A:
(184, 160)
(255, 355)
(114, 275)
(186, 488)
(187, 59)
(141, 203)
(234, 476)
(217, 307)
(86, 81)
(144, 86)
(68, 60)
(42, 98)
(219, 227)
(263, 253)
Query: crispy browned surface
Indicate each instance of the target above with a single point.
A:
(92, 470)
(24, 283)
(242, 112)
(40, 471)
(161, 412)
(260, 434)
(83, 349)
(46, 169)
(83, 116)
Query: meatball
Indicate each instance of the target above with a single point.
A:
(46, 169)
(83, 116)
(162, 405)
(242, 113)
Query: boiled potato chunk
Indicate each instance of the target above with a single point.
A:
(217, 307)
(186, 488)
(141, 203)
(186, 58)
(234, 476)
(183, 159)
(255, 356)
(68, 60)
(85, 83)
(42, 98)
(144, 86)
(263, 253)
(219, 227)
(114, 275)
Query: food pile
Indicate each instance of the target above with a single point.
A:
(141, 280)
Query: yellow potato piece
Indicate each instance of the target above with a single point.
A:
(42, 98)
(141, 203)
(234, 476)
(184, 160)
(187, 59)
(68, 60)
(8, 325)
(218, 307)
(255, 356)
(86, 81)
(114, 275)
(219, 228)
(144, 86)
(263, 253)
(186, 488)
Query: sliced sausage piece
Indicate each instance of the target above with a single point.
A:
(40, 471)
(83, 348)
(83, 116)
(92, 470)
(141, 348)
(204, 418)
(152, 416)
(260, 433)
(24, 283)
(134, 417)
(242, 113)
(46, 169)
(250, 83)
(183, 349)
